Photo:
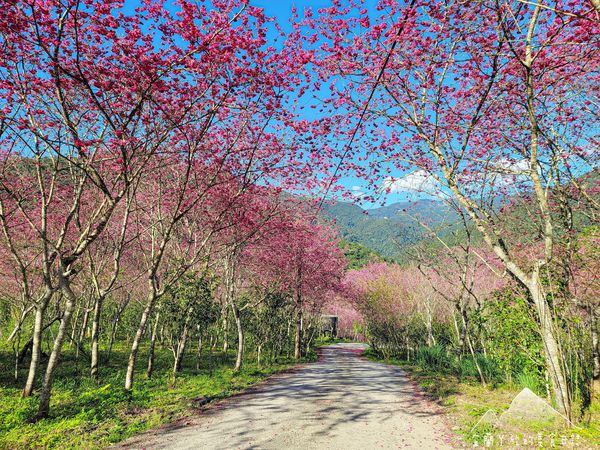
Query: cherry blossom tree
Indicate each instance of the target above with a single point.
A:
(97, 102)
(486, 100)
(306, 260)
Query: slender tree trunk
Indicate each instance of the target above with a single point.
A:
(46, 391)
(240, 347)
(135, 345)
(554, 358)
(464, 320)
(595, 347)
(475, 361)
(225, 331)
(287, 341)
(95, 337)
(19, 324)
(113, 331)
(298, 334)
(150, 368)
(199, 350)
(596, 366)
(482, 343)
(429, 324)
(16, 346)
(308, 344)
(113, 336)
(181, 346)
(86, 316)
(456, 328)
(258, 353)
(36, 347)
(74, 326)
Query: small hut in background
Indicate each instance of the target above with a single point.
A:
(329, 325)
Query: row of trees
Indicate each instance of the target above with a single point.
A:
(143, 157)
(455, 309)
(139, 147)
(482, 103)
(257, 268)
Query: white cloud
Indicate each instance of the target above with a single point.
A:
(357, 192)
(510, 167)
(508, 173)
(417, 181)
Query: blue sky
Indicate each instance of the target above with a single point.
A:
(281, 10)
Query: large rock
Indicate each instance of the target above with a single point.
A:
(527, 407)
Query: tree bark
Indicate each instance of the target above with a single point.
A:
(429, 324)
(240, 347)
(46, 391)
(554, 358)
(199, 350)
(95, 337)
(135, 346)
(464, 320)
(595, 345)
(258, 354)
(36, 347)
(19, 324)
(298, 335)
(181, 345)
(86, 317)
(16, 346)
(150, 368)
(115, 325)
(298, 325)
(225, 331)
(74, 327)
(595, 353)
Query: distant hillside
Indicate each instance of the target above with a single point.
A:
(358, 256)
(390, 229)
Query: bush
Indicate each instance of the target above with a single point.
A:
(435, 358)
(531, 381)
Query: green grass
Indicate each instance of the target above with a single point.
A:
(465, 400)
(328, 340)
(86, 414)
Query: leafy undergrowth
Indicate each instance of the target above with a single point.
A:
(86, 414)
(465, 401)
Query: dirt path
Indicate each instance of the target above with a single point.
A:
(341, 402)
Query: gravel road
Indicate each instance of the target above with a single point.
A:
(341, 402)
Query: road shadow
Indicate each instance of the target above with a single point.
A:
(342, 387)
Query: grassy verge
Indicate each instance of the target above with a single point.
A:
(87, 414)
(465, 401)
(327, 340)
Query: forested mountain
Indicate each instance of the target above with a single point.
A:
(393, 229)
(359, 256)
(390, 229)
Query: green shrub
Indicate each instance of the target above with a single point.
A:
(435, 358)
(531, 381)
